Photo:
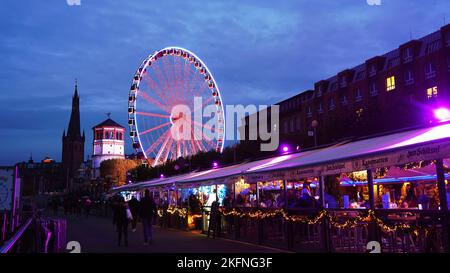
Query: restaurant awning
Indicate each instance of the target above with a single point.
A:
(389, 150)
(383, 151)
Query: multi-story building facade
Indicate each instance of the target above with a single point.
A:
(393, 91)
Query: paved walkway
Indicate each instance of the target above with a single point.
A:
(97, 235)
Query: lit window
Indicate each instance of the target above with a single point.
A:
(390, 83)
(432, 92)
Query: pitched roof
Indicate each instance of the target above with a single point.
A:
(108, 123)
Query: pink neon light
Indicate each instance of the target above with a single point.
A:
(442, 114)
(271, 162)
(439, 132)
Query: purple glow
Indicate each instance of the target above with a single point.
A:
(161, 176)
(438, 132)
(285, 149)
(215, 164)
(442, 114)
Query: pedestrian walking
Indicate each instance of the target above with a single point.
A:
(87, 206)
(121, 221)
(148, 211)
(134, 208)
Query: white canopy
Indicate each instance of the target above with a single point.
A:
(389, 150)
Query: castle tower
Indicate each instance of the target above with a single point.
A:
(73, 141)
(108, 143)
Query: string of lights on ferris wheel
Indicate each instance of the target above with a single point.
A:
(166, 78)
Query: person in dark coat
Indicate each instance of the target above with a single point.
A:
(134, 208)
(121, 220)
(148, 211)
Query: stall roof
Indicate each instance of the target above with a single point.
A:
(242, 168)
(369, 147)
(345, 151)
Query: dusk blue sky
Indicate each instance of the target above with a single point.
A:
(259, 52)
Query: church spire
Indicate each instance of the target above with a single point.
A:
(74, 124)
(76, 88)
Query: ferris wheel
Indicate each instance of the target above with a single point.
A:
(168, 78)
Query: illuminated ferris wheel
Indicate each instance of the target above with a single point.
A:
(166, 79)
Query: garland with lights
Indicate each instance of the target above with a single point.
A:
(172, 210)
(362, 175)
(350, 223)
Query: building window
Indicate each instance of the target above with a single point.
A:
(320, 109)
(331, 105)
(358, 95)
(430, 72)
(297, 121)
(390, 83)
(393, 62)
(292, 129)
(334, 86)
(407, 55)
(409, 77)
(344, 100)
(360, 75)
(448, 63)
(433, 46)
(309, 113)
(343, 81)
(447, 38)
(432, 92)
(373, 89)
(319, 90)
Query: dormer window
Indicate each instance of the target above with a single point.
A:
(433, 46)
(360, 75)
(407, 55)
(373, 89)
(343, 81)
(319, 90)
(430, 71)
(334, 86)
(372, 70)
(447, 38)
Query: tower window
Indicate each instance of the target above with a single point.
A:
(390, 83)
(432, 92)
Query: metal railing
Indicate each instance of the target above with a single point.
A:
(37, 235)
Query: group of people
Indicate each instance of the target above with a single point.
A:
(72, 205)
(132, 211)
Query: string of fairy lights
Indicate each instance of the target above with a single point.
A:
(333, 220)
(349, 223)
